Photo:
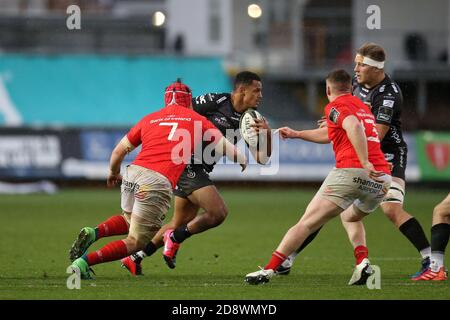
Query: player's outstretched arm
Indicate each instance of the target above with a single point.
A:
(319, 135)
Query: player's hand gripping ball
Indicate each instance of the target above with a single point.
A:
(248, 133)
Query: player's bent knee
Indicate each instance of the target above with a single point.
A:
(139, 242)
(214, 218)
(440, 211)
(221, 214)
(395, 213)
(390, 214)
(132, 244)
(350, 218)
(143, 233)
(127, 216)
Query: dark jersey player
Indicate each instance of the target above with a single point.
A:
(195, 190)
(384, 97)
(147, 183)
(385, 101)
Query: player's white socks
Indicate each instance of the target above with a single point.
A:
(437, 261)
(425, 252)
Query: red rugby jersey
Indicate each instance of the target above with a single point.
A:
(345, 154)
(168, 139)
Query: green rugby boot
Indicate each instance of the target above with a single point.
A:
(86, 237)
(81, 267)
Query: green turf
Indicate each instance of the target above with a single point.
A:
(38, 230)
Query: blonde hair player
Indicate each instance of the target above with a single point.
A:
(383, 96)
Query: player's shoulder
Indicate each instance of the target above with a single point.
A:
(194, 115)
(152, 115)
(388, 89)
(333, 110)
(354, 81)
(214, 97)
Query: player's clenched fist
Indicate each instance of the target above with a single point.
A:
(113, 179)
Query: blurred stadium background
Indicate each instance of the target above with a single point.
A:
(67, 96)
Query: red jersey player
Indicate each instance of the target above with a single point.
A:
(359, 181)
(168, 138)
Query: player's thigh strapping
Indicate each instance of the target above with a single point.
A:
(396, 193)
(347, 186)
(397, 156)
(147, 195)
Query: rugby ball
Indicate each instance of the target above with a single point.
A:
(248, 133)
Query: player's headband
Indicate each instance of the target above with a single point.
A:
(372, 63)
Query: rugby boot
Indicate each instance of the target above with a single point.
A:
(429, 274)
(361, 273)
(424, 265)
(260, 276)
(170, 249)
(85, 238)
(132, 266)
(81, 267)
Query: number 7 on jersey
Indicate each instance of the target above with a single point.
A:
(174, 126)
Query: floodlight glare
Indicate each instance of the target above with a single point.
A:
(158, 18)
(254, 11)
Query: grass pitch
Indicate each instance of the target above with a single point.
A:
(38, 230)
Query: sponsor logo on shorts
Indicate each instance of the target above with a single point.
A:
(142, 192)
(191, 174)
(129, 186)
(368, 185)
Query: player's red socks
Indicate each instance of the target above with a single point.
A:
(112, 251)
(114, 226)
(361, 252)
(276, 261)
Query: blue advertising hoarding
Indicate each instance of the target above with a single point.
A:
(85, 153)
